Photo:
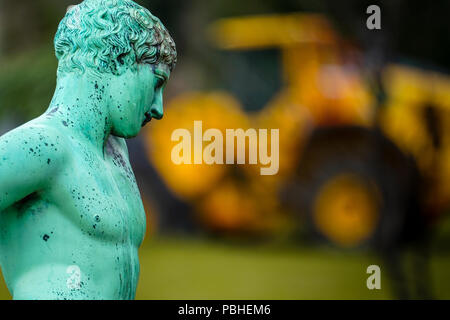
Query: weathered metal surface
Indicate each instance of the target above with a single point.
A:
(71, 216)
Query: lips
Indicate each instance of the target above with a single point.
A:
(148, 118)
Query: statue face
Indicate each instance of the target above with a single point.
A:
(136, 97)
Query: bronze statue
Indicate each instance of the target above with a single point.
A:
(71, 216)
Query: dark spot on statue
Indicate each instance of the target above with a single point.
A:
(97, 218)
(48, 161)
(65, 123)
(45, 237)
(53, 111)
(96, 86)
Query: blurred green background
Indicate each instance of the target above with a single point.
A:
(364, 146)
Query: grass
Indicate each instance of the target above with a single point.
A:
(198, 269)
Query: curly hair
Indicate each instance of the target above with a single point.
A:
(110, 36)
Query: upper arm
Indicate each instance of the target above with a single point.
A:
(30, 156)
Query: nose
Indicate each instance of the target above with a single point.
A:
(157, 110)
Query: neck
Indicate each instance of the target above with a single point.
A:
(80, 104)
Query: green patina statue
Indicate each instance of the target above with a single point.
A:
(71, 216)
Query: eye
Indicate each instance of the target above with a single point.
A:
(159, 82)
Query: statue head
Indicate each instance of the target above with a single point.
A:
(125, 52)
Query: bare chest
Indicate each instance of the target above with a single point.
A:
(103, 196)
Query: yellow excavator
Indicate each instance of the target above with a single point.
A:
(355, 171)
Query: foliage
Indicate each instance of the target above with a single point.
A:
(27, 82)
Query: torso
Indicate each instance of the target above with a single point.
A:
(79, 238)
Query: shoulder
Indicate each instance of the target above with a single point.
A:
(34, 141)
